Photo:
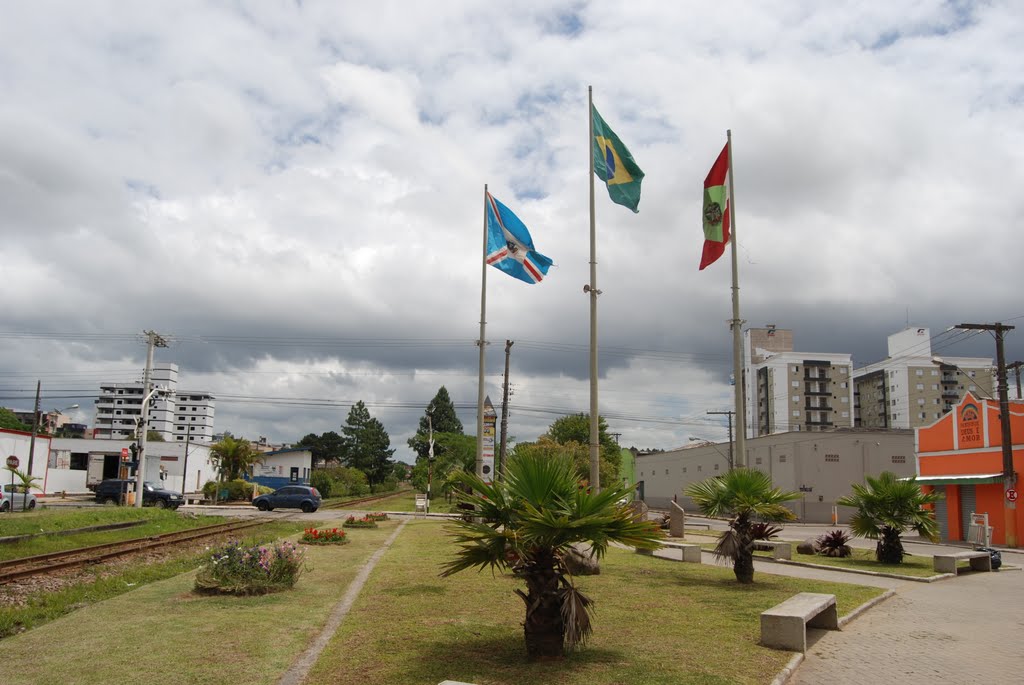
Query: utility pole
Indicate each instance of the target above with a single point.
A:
(732, 462)
(1009, 477)
(504, 415)
(430, 460)
(35, 430)
(184, 472)
(153, 340)
(1016, 367)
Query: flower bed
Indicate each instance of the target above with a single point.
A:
(364, 522)
(312, 536)
(242, 570)
(377, 516)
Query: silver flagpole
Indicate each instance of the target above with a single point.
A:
(482, 342)
(737, 325)
(595, 455)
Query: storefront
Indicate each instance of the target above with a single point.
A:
(961, 456)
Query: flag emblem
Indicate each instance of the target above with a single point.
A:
(614, 165)
(510, 247)
(716, 210)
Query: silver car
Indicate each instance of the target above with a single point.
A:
(13, 494)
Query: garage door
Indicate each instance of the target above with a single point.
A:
(968, 504)
(940, 512)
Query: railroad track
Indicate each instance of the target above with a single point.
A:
(363, 500)
(14, 569)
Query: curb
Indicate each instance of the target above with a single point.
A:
(863, 572)
(788, 670)
(783, 676)
(864, 607)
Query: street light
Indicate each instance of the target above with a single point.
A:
(54, 413)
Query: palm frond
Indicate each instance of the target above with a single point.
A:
(577, 609)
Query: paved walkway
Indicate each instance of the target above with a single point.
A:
(959, 630)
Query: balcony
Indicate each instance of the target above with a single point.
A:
(817, 407)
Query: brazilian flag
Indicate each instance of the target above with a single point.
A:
(614, 165)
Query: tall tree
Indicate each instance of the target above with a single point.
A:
(328, 449)
(367, 444)
(441, 414)
(571, 435)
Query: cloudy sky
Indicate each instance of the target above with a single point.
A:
(292, 194)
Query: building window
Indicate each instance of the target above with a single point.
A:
(845, 400)
(796, 399)
(843, 384)
(796, 414)
(923, 415)
(899, 459)
(796, 369)
(757, 460)
(716, 467)
(832, 457)
(919, 372)
(699, 467)
(842, 370)
(782, 458)
(920, 401)
(894, 403)
(684, 469)
(796, 384)
(935, 372)
(666, 472)
(846, 414)
(79, 461)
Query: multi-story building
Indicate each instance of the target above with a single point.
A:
(912, 388)
(177, 415)
(794, 391)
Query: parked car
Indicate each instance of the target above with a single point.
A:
(111, 491)
(14, 495)
(289, 497)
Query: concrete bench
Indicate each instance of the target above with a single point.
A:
(946, 563)
(195, 498)
(779, 550)
(687, 551)
(784, 626)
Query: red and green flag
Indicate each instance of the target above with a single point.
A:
(716, 210)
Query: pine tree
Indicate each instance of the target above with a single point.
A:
(441, 412)
(367, 446)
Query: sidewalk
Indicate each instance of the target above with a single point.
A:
(964, 629)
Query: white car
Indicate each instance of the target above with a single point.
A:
(12, 494)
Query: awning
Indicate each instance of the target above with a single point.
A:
(966, 479)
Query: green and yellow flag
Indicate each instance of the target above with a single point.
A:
(615, 166)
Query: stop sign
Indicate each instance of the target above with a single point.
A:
(13, 462)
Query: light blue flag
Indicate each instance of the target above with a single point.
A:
(510, 247)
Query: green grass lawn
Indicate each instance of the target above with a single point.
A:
(861, 560)
(656, 622)
(156, 522)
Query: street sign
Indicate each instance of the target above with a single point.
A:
(124, 454)
(1011, 495)
(13, 462)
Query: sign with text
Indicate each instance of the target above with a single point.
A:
(490, 420)
(969, 428)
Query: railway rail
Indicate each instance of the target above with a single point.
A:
(40, 564)
(363, 500)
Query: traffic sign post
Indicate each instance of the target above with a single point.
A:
(1011, 495)
(13, 462)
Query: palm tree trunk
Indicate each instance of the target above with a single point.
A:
(889, 549)
(743, 566)
(543, 629)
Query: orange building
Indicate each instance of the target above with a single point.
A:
(961, 455)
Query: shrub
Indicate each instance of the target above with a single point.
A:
(250, 570)
(377, 516)
(209, 487)
(312, 536)
(321, 480)
(238, 489)
(390, 484)
(364, 522)
(833, 544)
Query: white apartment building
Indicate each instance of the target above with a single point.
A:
(787, 391)
(178, 415)
(912, 387)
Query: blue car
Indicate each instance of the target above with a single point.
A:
(301, 497)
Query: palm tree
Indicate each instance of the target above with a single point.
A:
(886, 507)
(528, 523)
(28, 482)
(233, 456)
(747, 497)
